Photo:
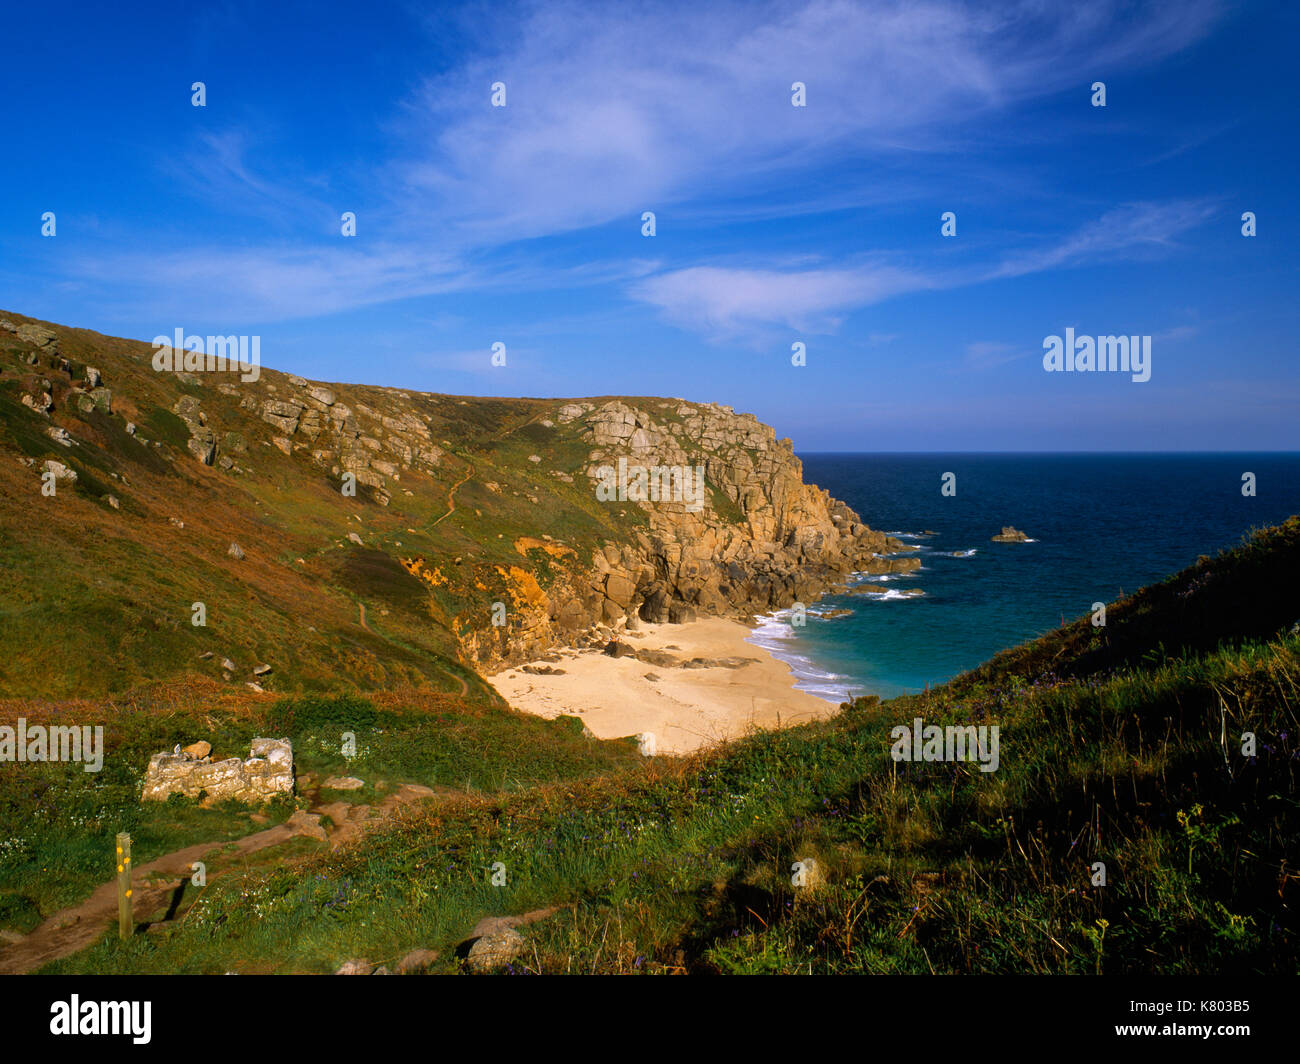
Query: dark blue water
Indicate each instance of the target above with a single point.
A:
(1102, 525)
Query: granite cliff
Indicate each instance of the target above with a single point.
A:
(355, 534)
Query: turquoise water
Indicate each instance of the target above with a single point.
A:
(1102, 525)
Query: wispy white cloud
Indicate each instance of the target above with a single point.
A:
(218, 169)
(272, 282)
(275, 282)
(1134, 229)
(614, 110)
(726, 302)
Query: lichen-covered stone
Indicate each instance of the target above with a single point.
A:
(267, 772)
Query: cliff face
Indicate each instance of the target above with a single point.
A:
(350, 534)
(757, 538)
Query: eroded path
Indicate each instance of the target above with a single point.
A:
(73, 929)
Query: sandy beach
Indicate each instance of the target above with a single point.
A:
(684, 708)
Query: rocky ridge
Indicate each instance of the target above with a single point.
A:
(463, 505)
(763, 539)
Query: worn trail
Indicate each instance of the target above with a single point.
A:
(73, 929)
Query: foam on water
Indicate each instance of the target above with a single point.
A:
(777, 636)
(1102, 524)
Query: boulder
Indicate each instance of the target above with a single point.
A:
(619, 589)
(654, 610)
(197, 751)
(615, 649)
(38, 335)
(494, 951)
(203, 445)
(681, 613)
(187, 409)
(282, 415)
(235, 551)
(60, 471)
(343, 783)
(305, 823)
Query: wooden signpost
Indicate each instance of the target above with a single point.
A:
(125, 922)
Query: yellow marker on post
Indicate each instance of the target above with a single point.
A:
(125, 921)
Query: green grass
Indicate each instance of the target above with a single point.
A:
(1110, 750)
(928, 867)
(61, 820)
(126, 577)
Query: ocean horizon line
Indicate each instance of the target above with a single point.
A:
(1044, 454)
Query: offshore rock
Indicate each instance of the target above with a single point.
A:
(1010, 534)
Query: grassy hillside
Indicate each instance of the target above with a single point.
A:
(59, 820)
(182, 558)
(1122, 746)
(98, 582)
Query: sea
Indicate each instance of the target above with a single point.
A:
(1099, 526)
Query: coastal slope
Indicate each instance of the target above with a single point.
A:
(191, 524)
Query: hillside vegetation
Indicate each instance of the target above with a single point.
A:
(359, 537)
(1121, 746)
(185, 553)
(1143, 816)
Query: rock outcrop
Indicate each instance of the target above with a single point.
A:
(1010, 534)
(755, 538)
(373, 445)
(267, 772)
(708, 516)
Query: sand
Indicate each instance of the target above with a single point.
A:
(685, 709)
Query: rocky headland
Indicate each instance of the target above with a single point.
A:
(391, 534)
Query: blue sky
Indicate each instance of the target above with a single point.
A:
(775, 224)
